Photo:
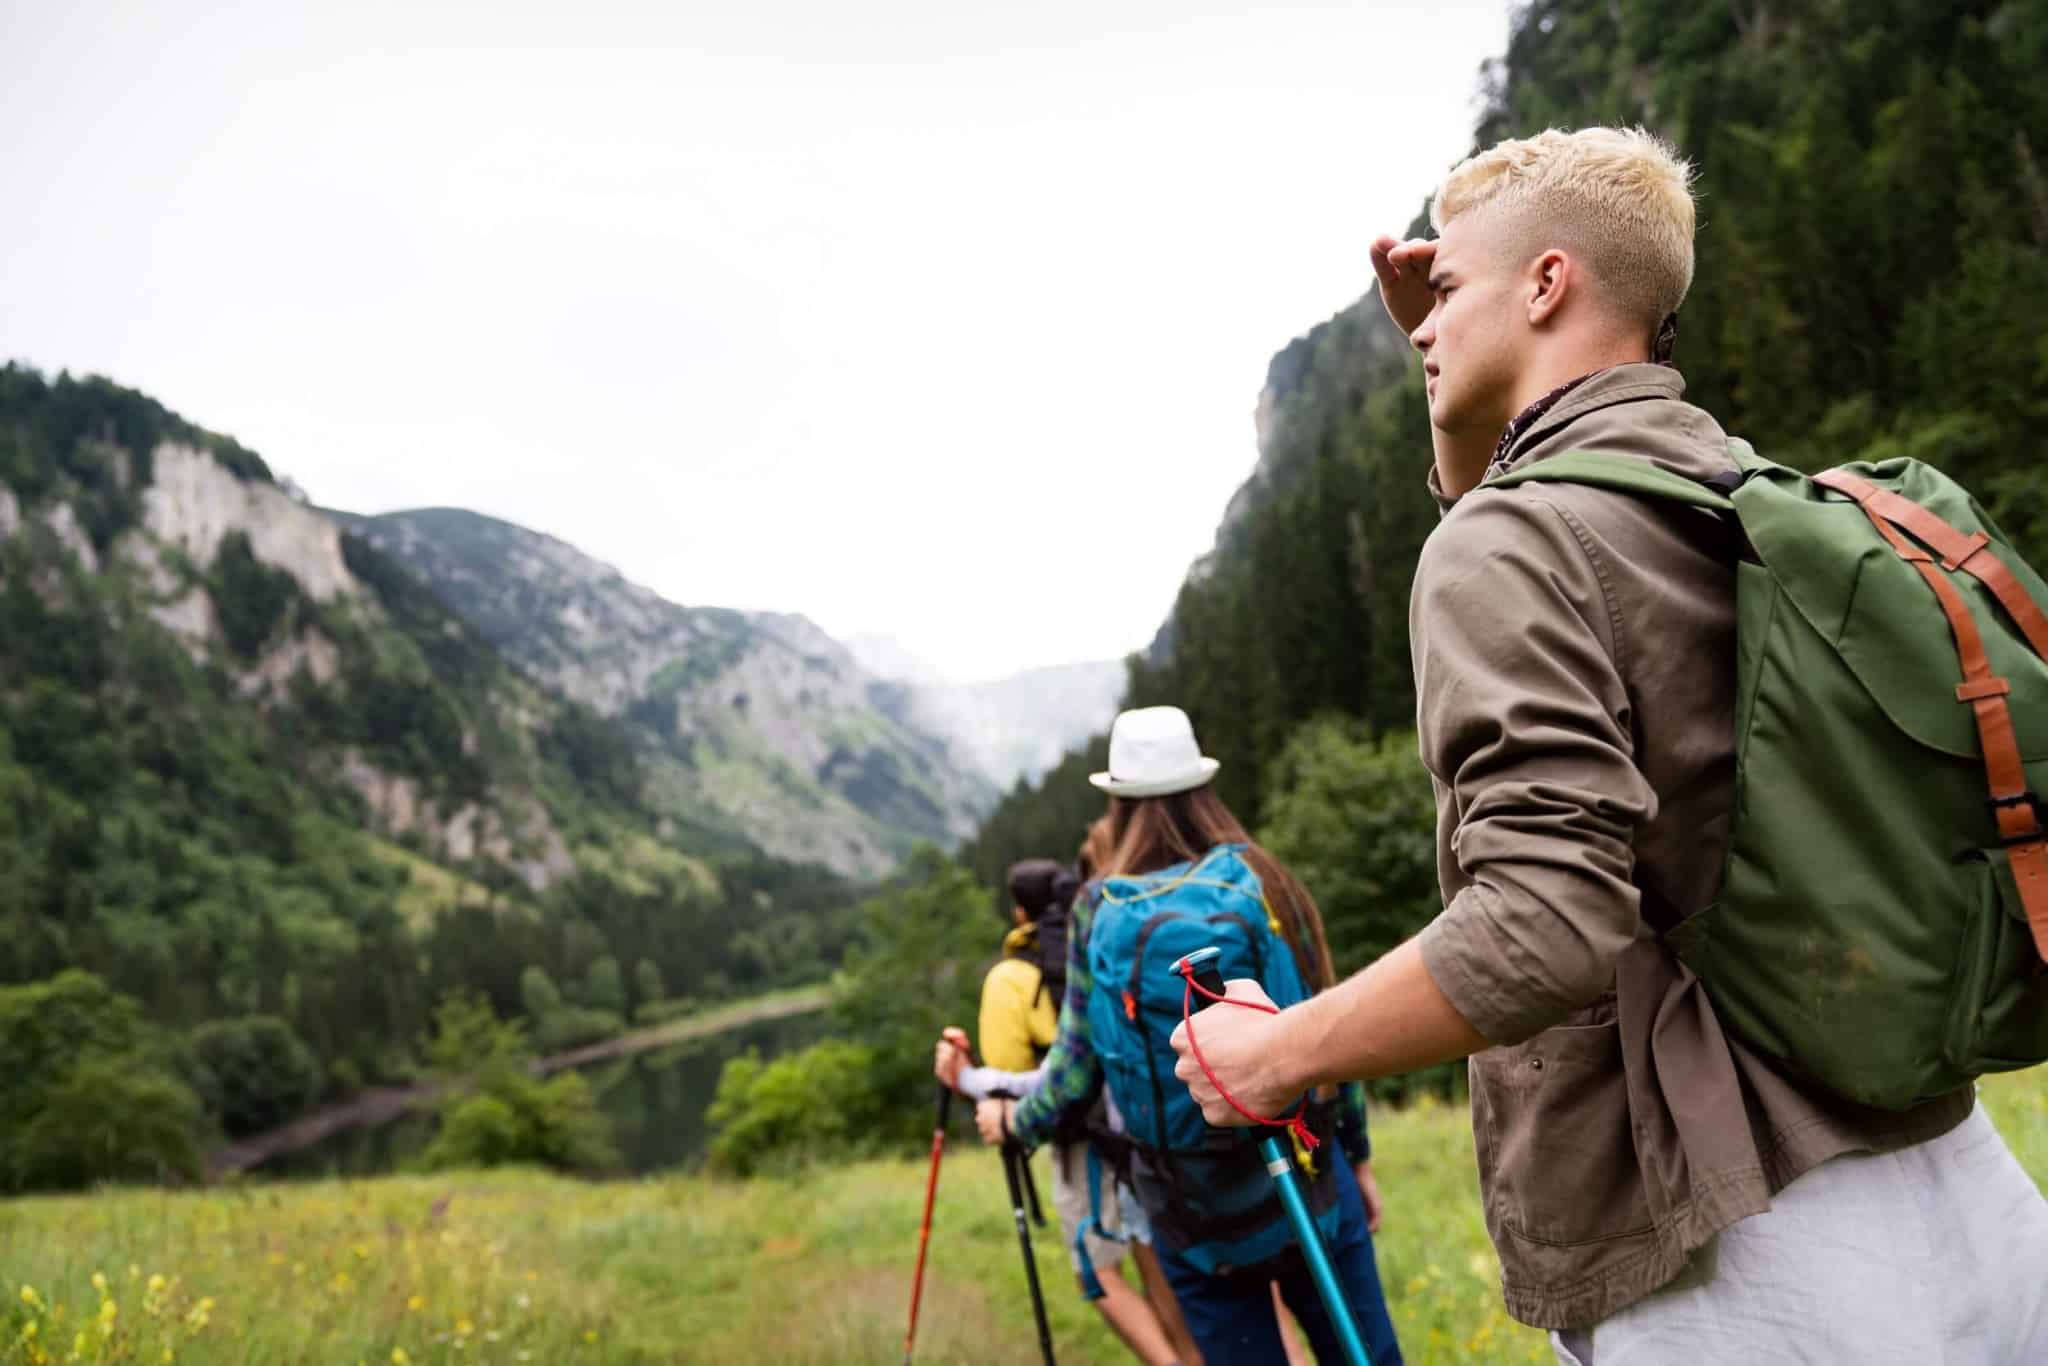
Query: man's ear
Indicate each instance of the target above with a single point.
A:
(1551, 278)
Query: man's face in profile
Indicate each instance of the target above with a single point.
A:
(1473, 339)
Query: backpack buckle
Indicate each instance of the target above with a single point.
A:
(2032, 802)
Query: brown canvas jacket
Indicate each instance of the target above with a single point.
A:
(1574, 669)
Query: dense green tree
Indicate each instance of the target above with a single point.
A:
(253, 1072)
(107, 1120)
(86, 1094)
(1354, 817)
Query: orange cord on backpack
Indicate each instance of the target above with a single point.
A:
(1298, 1123)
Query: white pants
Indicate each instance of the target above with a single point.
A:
(1935, 1255)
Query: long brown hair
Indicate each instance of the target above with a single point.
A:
(1095, 849)
(1147, 834)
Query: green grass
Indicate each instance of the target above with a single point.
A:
(487, 1267)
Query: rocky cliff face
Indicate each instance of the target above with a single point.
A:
(171, 528)
(762, 724)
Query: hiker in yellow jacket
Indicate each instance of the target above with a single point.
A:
(1020, 1015)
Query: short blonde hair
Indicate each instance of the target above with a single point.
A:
(1620, 198)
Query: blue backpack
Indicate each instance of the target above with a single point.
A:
(1206, 1192)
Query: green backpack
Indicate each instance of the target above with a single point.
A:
(1883, 918)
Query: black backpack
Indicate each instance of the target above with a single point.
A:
(1050, 957)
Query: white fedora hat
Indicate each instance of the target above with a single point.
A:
(1152, 753)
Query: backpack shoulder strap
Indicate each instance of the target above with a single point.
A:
(1622, 473)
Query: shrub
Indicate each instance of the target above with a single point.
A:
(253, 1073)
(80, 1099)
(495, 1111)
(477, 1131)
(917, 968)
(109, 1119)
(817, 1103)
(553, 1123)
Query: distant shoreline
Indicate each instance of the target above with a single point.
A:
(378, 1105)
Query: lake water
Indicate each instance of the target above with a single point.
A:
(656, 1101)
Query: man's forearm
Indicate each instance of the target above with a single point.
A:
(1390, 1018)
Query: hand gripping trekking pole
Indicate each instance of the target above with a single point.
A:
(1205, 987)
(931, 1190)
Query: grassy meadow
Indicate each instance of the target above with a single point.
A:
(522, 1267)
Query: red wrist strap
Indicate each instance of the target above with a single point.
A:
(1298, 1122)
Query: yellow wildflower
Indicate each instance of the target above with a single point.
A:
(416, 1303)
(30, 1298)
(590, 1335)
(29, 1331)
(156, 1284)
(78, 1345)
(398, 1357)
(463, 1327)
(99, 1281)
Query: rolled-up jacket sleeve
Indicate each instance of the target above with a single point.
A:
(1524, 723)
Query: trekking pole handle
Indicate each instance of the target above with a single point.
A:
(1201, 965)
(957, 1037)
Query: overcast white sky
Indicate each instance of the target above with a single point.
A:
(924, 318)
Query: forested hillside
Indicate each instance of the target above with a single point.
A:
(1873, 275)
(261, 783)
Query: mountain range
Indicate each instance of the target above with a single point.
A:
(758, 725)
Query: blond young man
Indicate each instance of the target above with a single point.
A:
(1657, 1191)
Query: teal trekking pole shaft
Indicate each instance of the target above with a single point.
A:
(1281, 1164)
(1199, 968)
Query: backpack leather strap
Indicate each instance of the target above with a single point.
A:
(1957, 551)
(2013, 804)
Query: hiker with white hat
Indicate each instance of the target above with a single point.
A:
(1018, 1024)
(1181, 873)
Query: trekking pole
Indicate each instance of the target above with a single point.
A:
(931, 1190)
(1014, 1159)
(1205, 987)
